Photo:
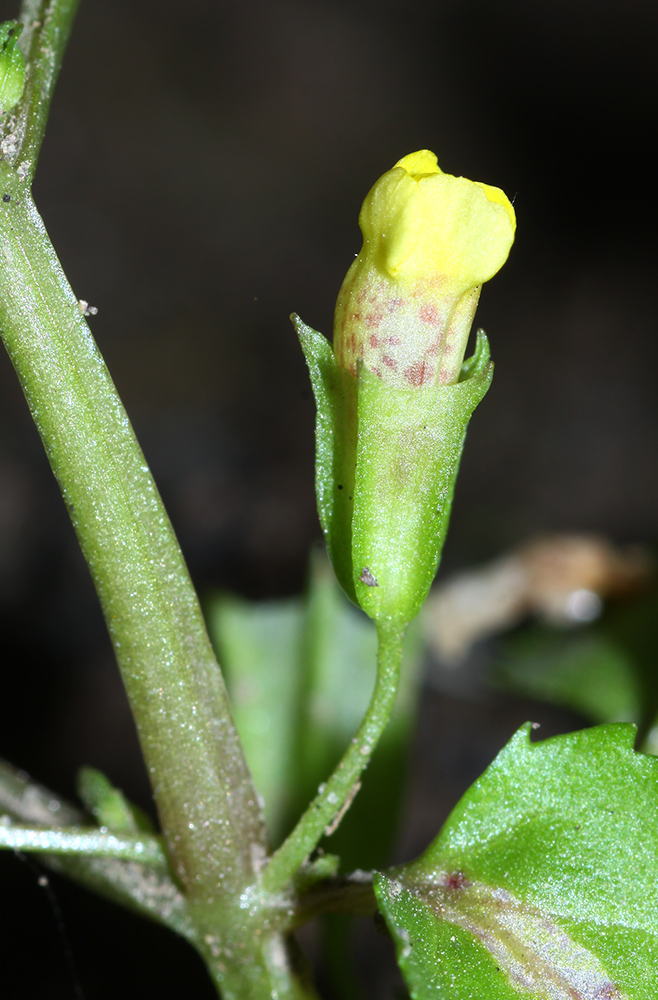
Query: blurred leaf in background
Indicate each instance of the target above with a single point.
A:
(606, 672)
(587, 672)
(300, 672)
(576, 624)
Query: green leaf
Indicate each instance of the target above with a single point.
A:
(109, 806)
(543, 882)
(606, 672)
(259, 645)
(587, 672)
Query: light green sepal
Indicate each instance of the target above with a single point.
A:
(335, 437)
(409, 447)
(386, 465)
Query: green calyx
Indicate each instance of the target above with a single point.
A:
(12, 65)
(386, 464)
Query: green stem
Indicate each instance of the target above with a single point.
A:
(206, 800)
(47, 26)
(264, 967)
(94, 843)
(352, 895)
(333, 798)
(212, 824)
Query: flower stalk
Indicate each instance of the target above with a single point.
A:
(393, 396)
(393, 403)
(327, 808)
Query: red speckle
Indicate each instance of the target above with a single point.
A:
(392, 341)
(434, 349)
(607, 992)
(423, 288)
(456, 880)
(374, 340)
(373, 319)
(389, 361)
(419, 374)
(428, 314)
(394, 304)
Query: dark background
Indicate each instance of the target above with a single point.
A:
(201, 178)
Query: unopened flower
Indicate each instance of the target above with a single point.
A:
(394, 396)
(429, 242)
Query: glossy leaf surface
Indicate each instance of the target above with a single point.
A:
(543, 882)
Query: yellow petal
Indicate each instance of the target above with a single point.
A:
(418, 222)
(420, 164)
(429, 241)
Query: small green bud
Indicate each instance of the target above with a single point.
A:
(109, 805)
(12, 65)
(394, 397)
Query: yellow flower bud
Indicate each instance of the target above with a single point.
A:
(393, 396)
(429, 242)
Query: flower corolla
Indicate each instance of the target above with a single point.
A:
(407, 303)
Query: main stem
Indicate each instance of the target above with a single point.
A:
(205, 796)
(335, 795)
(212, 823)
